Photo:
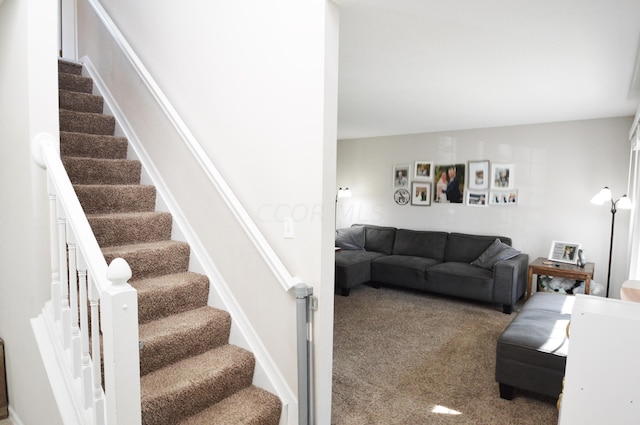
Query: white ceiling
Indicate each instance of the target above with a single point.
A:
(413, 66)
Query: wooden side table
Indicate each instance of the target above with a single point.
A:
(556, 269)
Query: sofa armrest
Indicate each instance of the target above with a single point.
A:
(510, 279)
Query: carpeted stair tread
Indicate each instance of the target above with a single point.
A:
(174, 338)
(193, 384)
(249, 406)
(74, 82)
(93, 145)
(152, 258)
(81, 102)
(83, 170)
(163, 296)
(130, 228)
(67, 66)
(99, 199)
(87, 122)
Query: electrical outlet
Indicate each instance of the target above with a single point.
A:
(288, 228)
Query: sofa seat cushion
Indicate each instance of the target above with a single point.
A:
(461, 280)
(354, 267)
(401, 270)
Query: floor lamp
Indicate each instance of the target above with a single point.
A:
(342, 193)
(623, 203)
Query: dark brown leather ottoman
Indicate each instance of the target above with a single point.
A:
(531, 352)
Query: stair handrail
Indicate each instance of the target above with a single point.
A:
(75, 248)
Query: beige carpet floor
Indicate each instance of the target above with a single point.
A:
(404, 357)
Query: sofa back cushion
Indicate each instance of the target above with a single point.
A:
(378, 238)
(465, 248)
(420, 244)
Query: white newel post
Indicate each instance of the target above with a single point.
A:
(119, 311)
(55, 256)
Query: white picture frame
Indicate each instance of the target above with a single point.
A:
(478, 175)
(401, 175)
(423, 170)
(503, 197)
(421, 193)
(476, 198)
(502, 176)
(564, 252)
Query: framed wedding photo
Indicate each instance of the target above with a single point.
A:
(401, 175)
(421, 193)
(564, 252)
(423, 170)
(478, 175)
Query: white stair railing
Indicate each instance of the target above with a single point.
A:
(89, 302)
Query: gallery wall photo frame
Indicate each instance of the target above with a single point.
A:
(450, 183)
(564, 252)
(421, 193)
(502, 176)
(477, 198)
(478, 175)
(423, 170)
(401, 175)
(503, 197)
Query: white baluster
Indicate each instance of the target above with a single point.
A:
(86, 375)
(97, 392)
(55, 255)
(73, 304)
(64, 282)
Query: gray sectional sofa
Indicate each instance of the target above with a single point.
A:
(483, 268)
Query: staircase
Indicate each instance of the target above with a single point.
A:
(189, 373)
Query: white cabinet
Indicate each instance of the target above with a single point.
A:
(602, 378)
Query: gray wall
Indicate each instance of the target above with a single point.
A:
(558, 167)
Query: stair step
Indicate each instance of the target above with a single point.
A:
(81, 102)
(67, 66)
(102, 171)
(174, 338)
(130, 228)
(251, 405)
(193, 384)
(151, 259)
(99, 199)
(75, 82)
(163, 296)
(87, 122)
(93, 145)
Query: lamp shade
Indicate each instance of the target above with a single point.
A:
(344, 193)
(601, 197)
(624, 203)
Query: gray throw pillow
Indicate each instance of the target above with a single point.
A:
(497, 251)
(350, 238)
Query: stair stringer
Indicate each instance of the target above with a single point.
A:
(243, 334)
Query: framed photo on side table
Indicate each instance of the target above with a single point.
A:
(564, 252)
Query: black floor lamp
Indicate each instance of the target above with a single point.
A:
(623, 203)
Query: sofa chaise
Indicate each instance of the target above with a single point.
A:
(478, 267)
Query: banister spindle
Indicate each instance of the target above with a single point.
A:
(86, 376)
(73, 303)
(64, 281)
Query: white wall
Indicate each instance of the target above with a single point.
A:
(24, 259)
(558, 168)
(255, 83)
